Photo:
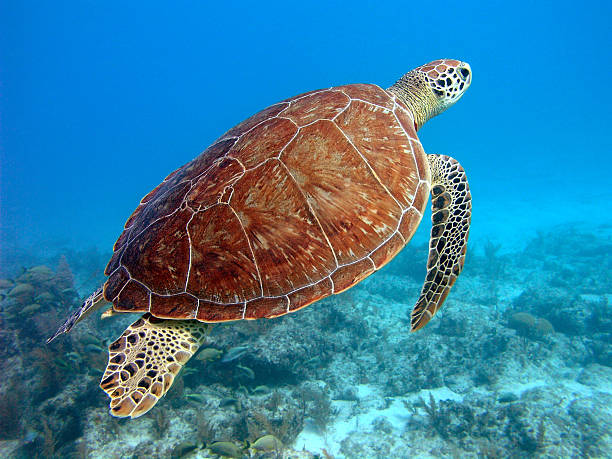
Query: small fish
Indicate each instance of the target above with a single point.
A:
(62, 363)
(25, 290)
(268, 443)
(225, 448)
(234, 353)
(6, 284)
(88, 338)
(189, 371)
(73, 356)
(228, 402)
(209, 354)
(44, 297)
(30, 309)
(30, 436)
(261, 390)
(197, 397)
(246, 371)
(94, 348)
(183, 449)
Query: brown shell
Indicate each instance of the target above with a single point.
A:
(302, 200)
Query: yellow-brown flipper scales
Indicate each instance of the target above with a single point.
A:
(144, 361)
(451, 205)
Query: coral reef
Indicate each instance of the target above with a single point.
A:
(517, 364)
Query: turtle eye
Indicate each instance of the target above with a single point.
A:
(465, 73)
(438, 92)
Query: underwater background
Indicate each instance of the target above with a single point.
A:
(99, 101)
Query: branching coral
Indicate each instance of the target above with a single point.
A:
(285, 421)
(161, 422)
(318, 406)
(51, 370)
(50, 441)
(10, 416)
(205, 429)
(64, 278)
(434, 414)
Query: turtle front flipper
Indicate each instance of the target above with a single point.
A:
(451, 205)
(144, 361)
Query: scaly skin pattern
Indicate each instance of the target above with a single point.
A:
(300, 201)
(138, 374)
(430, 89)
(451, 209)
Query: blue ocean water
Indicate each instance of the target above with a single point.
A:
(99, 101)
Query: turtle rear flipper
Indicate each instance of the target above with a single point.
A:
(451, 205)
(93, 302)
(144, 361)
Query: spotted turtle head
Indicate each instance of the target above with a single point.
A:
(430, 89)
(447, 78)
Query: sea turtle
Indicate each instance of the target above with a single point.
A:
(302, 200)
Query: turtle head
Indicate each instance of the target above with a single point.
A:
(430, 89)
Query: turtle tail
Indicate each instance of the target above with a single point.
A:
(94, 300)
(451, 205)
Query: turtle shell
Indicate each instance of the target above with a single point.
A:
(302, 200)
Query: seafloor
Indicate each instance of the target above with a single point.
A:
(517, 364)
